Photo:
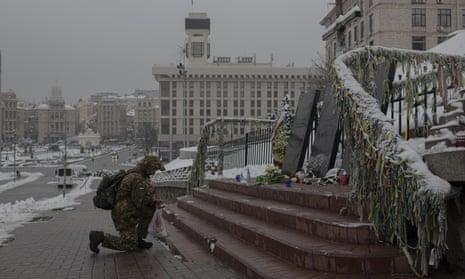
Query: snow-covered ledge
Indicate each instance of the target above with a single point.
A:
(391, 178)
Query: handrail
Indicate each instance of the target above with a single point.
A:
(390, 177)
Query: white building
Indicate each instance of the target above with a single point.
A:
(195, 93)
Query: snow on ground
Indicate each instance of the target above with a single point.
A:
(14, 215)
(26, 177)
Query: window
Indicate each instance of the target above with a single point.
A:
(370, 27)
(165, 107)
(349, 39)
(441, 39)
(419, 17)
(165, 88)
(197, 49)
(419, 43)
(165, 126)
(334, 49)
(355, 35)
(444, 17)
(463, 18)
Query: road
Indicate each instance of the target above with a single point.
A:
(46, 185)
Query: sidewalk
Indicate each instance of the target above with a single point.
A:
(57, 246)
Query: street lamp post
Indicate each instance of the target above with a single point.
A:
(14, 156)
(65, 168)
(183, 73)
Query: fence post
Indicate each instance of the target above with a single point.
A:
(246, 148)
(221, 148)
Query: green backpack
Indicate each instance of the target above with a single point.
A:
(105, 198)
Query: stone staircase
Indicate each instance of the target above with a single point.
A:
(450, 132)
(273, 231)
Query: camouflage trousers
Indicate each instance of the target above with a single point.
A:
(130, 228)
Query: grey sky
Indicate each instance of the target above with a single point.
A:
(88, 46)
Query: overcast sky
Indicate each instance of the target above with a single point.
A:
(89, 46)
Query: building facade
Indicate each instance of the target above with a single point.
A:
(56, 120)
(194, 93)
(111, 119)
(406, 24)
(8, 117)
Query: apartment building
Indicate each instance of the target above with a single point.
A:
(406, 24)
(195, 92)
(111, 119)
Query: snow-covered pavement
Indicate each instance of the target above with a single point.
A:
(14, 215)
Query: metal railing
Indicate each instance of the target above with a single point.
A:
(252, 149)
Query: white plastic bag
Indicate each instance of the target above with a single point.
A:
(157, 226)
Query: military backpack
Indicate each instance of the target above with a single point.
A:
(105, 198)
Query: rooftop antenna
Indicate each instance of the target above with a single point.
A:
(182, 54)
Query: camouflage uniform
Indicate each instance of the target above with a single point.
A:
(135, 206)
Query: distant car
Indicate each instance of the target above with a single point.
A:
(84, 172)
(103, 172)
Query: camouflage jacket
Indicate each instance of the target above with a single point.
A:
(137, 191)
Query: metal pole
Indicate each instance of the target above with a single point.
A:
(183, 73)
(65, 169)
(14, 157)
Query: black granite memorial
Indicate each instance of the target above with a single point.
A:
(301, 128)
(324, 149)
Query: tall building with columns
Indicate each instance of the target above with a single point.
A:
(205, 88)
(56, 120)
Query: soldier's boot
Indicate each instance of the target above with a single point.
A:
(95, 239)
(144, 244)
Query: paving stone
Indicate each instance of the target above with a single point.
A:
(59, 248)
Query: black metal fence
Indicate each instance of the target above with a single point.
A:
(252, 149)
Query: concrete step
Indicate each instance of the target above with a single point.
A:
(321, 223)
(252, 262)
(454, 126)
(298, 248)
(332, 197)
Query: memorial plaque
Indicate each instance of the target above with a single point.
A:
(300, 132)
(327, 135)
